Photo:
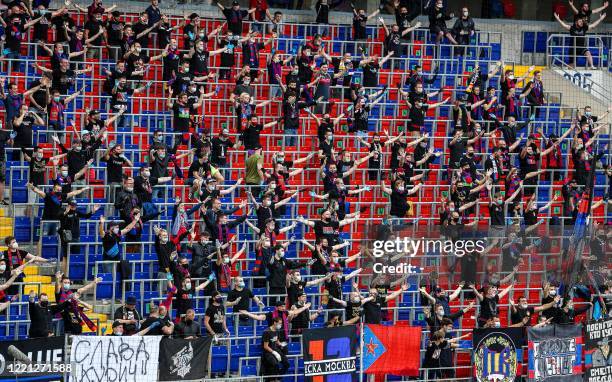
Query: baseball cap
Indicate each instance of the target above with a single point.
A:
(131, 300)
(72, 202)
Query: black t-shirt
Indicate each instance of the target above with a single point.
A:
(250, 136)
(41, 29)
(24, 138)
(488, 307)
(245, 298)
(219, 150)
(182, 116)
(359, 26)
(120, 98)
(432, 354)
(361, 118)
(334, 287)
(373, 310)
(40, 96)
(113, 31)
(62, 81)
(294, 290)
(520, 314)
(52, 206)
(456, 151)
(496, 212)
(234, 19)
(124, 313)
(37, 171)
(114, 168)
(216, 315)
(110, 245)
(150, 321)
(272, 337)
(94, 27)
(138, 28)
(353, 309)
(370, 75)
(328, 230)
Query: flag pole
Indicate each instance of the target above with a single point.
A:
(361, 349)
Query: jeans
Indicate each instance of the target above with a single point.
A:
(361, 134)
(290, 138)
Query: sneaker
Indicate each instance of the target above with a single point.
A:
(4, 202)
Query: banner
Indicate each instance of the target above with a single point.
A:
(497, 354)
(394, 350)
(114, 359)
(555, 353)
(598, 343)
(37, 356)
(181, 359)
(330, 354)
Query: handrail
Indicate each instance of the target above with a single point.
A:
(582, 81)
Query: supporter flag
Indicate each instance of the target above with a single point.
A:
(598, 354)
(555, 353)
(181, 359)
(394, 350)
(497, 354)
(330, 354)
(38, 352)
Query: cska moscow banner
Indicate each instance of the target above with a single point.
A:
(330, 354)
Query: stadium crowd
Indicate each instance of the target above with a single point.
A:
(494, 156)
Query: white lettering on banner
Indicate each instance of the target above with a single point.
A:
(114, 359)
(333, 366)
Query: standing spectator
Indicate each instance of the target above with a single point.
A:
(534, 91)
(214, 318)
(463, 30)
(437, 22)
(578, 32)
(585, 12)
(70, 229)
(360, 20)
(373, 309)
(274, 356)
(188, 328)
(41, 315)
(128, 316)
(235, 16)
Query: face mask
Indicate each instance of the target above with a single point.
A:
(39, 155)
(552, 293)
(163, 239)
(226, 260)
(219, 299)
(266, 203)
(44, 304)
(587, 113)
(500, 202)
(281, 254)
(524, 306)
(279, 326)
(187, 286)
(2, 268)
(185, 265)
(77, 148)
(273, 186)
(64, 173)
(146, 174)
(497, 324)
(356, 299)
(56, 99)
(465, 14)
(241, 284)
(162, 155)
(116, 230)
(440, 312)
(129, 189)
(511, 77)
(297, 277)
(66, 286)
(401, 189)
(15, 245)
(294, 72)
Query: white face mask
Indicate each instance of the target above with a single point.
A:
(524, 306)
(146, 174)
(64, 173)
(497, 324)
(226, 260)
(163, 239)
(2, 267)
(66, 285)
(297, 277)
(279, 326)
(14, 245)
(187, 286)
(466, 13)
(440, 312)
(553, 292)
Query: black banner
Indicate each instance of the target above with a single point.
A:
(181, 359)
(38, 356)
(497, 354)
(330, 353)
(598, 343)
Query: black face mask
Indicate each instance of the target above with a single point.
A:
(44, 304)
(188, 321)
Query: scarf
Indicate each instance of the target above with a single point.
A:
(226, 279)
(275, 313)
(222, 233)
(78, 312)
